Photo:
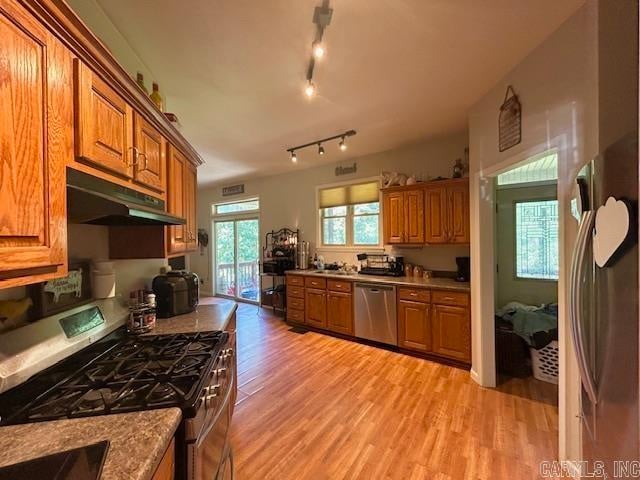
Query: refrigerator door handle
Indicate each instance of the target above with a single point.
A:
(575, 303)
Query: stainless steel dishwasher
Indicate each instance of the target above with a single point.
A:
(375, 313)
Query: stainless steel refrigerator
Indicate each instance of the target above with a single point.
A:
(603, 304)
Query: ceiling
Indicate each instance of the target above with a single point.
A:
(397, 71)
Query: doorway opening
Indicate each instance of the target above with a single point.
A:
(527, 253)
(236, 250)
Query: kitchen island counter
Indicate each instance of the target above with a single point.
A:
(138, 440)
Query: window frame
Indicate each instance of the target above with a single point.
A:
(349, 246)
(346, 217)
(215, 205)
(515, 239)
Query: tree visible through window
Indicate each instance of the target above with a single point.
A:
(351, 225)
(537, 239)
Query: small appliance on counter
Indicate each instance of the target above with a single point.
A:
(176, 293)
(381, 264)
(464, 269)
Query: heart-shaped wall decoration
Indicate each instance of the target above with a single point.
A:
(612, 228)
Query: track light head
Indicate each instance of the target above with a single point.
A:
(294, 157)
(343, 146)
(318, 50)
(320, 149)
(310, 89)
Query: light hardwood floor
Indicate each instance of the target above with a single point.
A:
(315, 407)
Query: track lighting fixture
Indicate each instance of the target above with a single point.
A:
(321, 19)
(342, 144)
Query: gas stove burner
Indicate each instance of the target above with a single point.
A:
(94, 400)
(134, 374)
(197, 347)
(161, 392)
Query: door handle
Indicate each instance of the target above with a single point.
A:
(575, 303)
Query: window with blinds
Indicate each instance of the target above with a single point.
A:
(350, 215)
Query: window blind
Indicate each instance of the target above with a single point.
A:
(349, 194)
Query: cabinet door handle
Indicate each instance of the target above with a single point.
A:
(144, 160)
(136, 153)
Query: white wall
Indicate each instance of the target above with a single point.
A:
(290, 200)
(557, 85)
(101, 25)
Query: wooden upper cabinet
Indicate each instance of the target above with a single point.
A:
(393, 217)
(190, 202)
(150, 155)
(414, 216)
(316, 307)
(451, 332)
(458, 196)
(436, 214)
(340, 312)
(414, 325)
(403, 216)
(447, 212)
(177, 165)
(104, 124)
(36, 143)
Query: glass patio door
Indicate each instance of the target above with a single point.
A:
(237, 247)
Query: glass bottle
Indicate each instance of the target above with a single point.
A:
(155, 96)
(140, 82)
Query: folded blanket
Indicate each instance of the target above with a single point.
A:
(536, 325)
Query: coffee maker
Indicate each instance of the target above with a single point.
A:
(464, 269)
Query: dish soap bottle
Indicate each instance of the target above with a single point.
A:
(155, 96)
(140, 82)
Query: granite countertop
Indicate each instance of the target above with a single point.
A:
(138, 440)
(206, 318)
(439, 282)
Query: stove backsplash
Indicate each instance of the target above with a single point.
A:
(437, 258)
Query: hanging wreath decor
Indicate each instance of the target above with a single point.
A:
(510, 121)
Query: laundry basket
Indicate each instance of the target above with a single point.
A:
(545, 363)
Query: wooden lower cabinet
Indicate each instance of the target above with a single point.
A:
(167, 466)
(430, 321)
(316, 307)
(451, 332)
(340, 312)
(414, 325)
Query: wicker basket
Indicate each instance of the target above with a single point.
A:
(545, 363)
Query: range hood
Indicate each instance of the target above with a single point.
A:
(99, 202)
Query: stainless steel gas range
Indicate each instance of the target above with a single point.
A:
(89, 365)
